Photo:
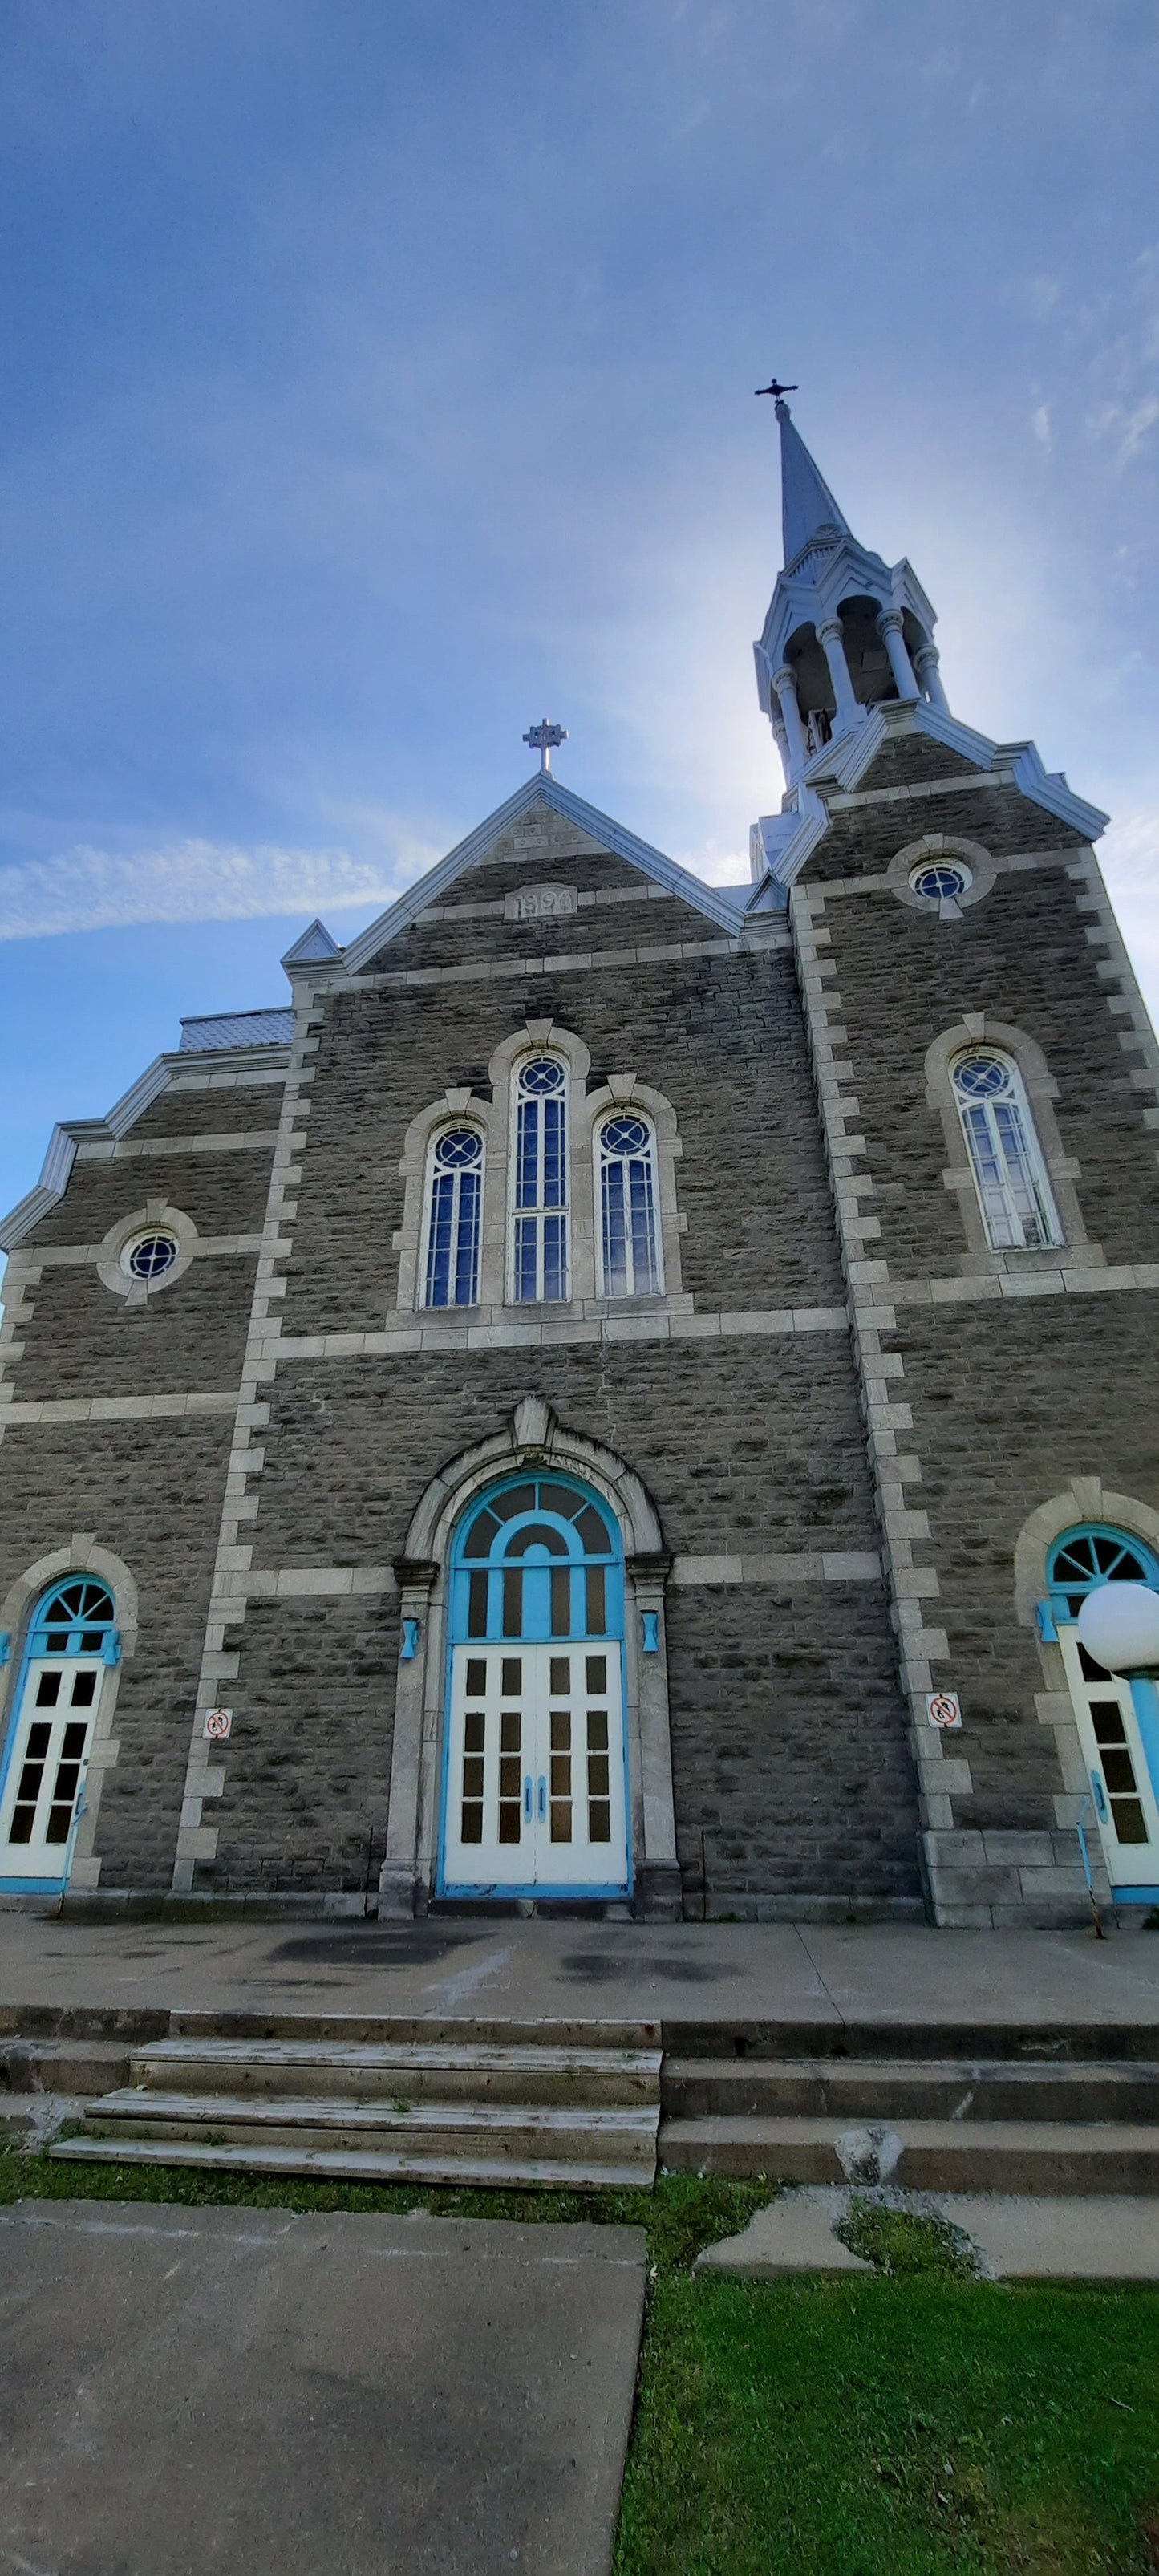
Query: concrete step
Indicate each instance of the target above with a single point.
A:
(439, 2070)
(342, 2030)
(900, 2090)
(963, 2041)
(337, 2164)
(497, 2130)
(65, 2065)
(922, 2155)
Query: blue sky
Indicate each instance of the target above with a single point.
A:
(380, 374)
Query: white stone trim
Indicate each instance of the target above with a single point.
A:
(887, 1417)
(205, 1777)
(1124, 999)
(157, 1214)
(463, 1328)
(116, 1408)
(829, 1565)
(932, 847)
(132, 1149)
(980, 1029)
(624, 1091)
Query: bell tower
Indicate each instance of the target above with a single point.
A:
(845, 631)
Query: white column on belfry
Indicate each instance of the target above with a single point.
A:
(926, 665)
(785, 684)
(890, 628)
(832, 639)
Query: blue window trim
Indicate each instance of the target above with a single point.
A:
(578, 1890)
(1056, 1608)
(36, 1639)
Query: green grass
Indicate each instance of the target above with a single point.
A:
(914, 2424)
(899, 2241)
(894, 2427)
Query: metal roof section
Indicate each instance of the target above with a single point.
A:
(156, 1078)
(242, 1028)
(544, 788)
(807, 503)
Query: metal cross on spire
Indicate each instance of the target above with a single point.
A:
(545, 738)
(779, 392)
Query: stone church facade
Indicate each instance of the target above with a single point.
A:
(614, 1398)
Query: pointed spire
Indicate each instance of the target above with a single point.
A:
(807, 503)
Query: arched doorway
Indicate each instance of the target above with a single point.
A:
(534, 1776)
(72, 1643)
(1117, 1720)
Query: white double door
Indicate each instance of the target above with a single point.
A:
(1122, 1789)
(535, 1773)
(53, 1733)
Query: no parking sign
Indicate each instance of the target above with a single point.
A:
(943, 1708)
(218, 1722)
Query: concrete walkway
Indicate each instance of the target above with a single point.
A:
(686, 1972)
(1014, 2237)
(242, 2392)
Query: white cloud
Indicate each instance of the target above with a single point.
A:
(91, 889)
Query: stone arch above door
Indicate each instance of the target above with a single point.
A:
(532, 1437)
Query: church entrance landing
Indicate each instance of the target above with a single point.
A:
(534, 1790)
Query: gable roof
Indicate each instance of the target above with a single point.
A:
(786, 840)
(714, 902)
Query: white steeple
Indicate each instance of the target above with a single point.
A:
(845, 632)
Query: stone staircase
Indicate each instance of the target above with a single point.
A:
(573, 2106)
(577, 2104)
(928, 2109)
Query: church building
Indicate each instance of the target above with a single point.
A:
(614, 1396)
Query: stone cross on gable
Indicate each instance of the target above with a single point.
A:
(545, 738)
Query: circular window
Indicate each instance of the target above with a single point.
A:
(981, 1077)
(624, 1136)
(940, 882)
(149, 1256)
(458, 1147)
(541, 1075)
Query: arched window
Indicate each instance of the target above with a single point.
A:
(454, 1214)
(1009, 1172)
(629, 1235)
(539, 1253)
(72, 1641)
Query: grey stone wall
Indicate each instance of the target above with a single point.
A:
(721, 1037)
(83, 1340)
(151, 1493)
(305, 1799)
(794, 1788)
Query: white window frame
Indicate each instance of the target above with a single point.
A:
(541, 1214)
(440, 1306)
(1010, 1201)
(603, 1163)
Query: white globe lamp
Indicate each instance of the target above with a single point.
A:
(1119, 1626)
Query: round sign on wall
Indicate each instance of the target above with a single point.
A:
(218, 1722)
(943, 1708)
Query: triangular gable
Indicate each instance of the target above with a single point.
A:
(789, 839)
(546, 790)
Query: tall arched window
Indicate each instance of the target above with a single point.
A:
(539, 1218)
(72, 1641)
(1009, 1173)
(454, 1214)
(629, 1235)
